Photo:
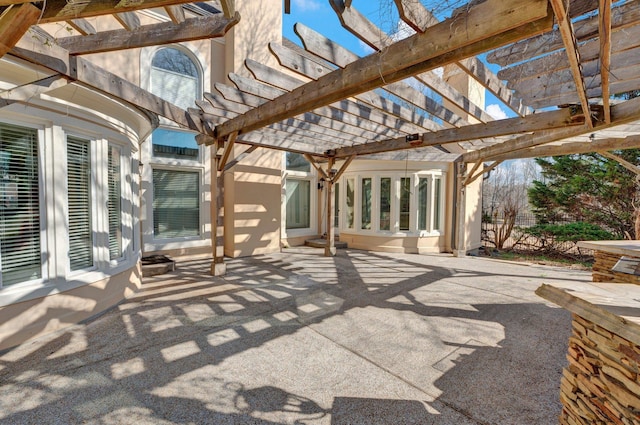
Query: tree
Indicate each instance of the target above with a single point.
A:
(590, 188)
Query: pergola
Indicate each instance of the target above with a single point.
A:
(562, 62)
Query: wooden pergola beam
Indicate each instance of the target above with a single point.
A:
(175, 13)
(418, 17)
(571, 47)
(377, 112)
(14, 23)
(150, 35)
(626, 164)
(83, 71)
(605, 55)
(630, 142)
(82, 26)
(487, 25)
(235, 161)
(622, 113)
(228, 8)
(473, 177)
(227, 149)
(63, 10)
(333, 52)
(560, 118)
(128, 20)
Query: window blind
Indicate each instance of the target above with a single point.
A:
(19, 205)
(79, 204)
(115, 203)
(176, 205)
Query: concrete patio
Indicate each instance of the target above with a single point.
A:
(297, 338)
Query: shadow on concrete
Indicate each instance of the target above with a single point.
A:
(361, 338)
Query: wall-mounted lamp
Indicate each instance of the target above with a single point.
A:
(140, 167)
(321, 184)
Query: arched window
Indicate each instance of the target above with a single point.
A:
(175, 77)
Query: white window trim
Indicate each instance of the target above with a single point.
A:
(312, 177)
(52, 177)
(395, 177)
(152, 243)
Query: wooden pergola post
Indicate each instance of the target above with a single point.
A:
(460, 248)
(330, 248)
(218, 267)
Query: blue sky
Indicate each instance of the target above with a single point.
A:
(319, 16)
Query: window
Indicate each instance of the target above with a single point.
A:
(297, 204)
(437, 203)
(175, 77)
(19, 205)
(298, 185)
(176, 204)
(365, 207)
(405, 203)
(79, 203)
(174, 144)
(114, 205)
(423, 203)
(350, 203)
(385, 203)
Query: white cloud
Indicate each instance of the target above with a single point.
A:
(305, 5)
(496, 112)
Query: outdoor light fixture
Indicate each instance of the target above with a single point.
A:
(140, 167)
(321, 184)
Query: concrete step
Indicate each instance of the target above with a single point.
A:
(321, 243)
(157, 264)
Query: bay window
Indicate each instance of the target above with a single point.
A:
(79, 204)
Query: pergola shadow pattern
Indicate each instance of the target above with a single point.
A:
(293, 337)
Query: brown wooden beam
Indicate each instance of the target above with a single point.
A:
(235, 161)
(63, 10)
(605, 54)
(536, 122)
(228, 7)
(83, 71)
(150, 35)
(128, 20)
(14, 23)
(228, 148)
(571, 47)
(568, 148)
(473, 177)
(487, 25)
(626, 164)
(175, 13)
(82, 26)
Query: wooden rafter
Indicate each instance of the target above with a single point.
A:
(605, 55)
(63, 10)
(571, 47)
(82, 26)
(83, 71)
(622, 17)
(473, 177)
(227, 149)
(317, 166)
(235, 161)
(561, 118)
(418, 17)
(346, 111)
(128, 20)
(377, 39)
(626, 164)
(630, 142)
(333, 52)
(175, 13)
(312, 69)
(228, 7)
(622, 113)
(150, 35)
(451, 40)
(14, 23)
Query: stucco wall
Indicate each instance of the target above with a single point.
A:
(24, 320)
